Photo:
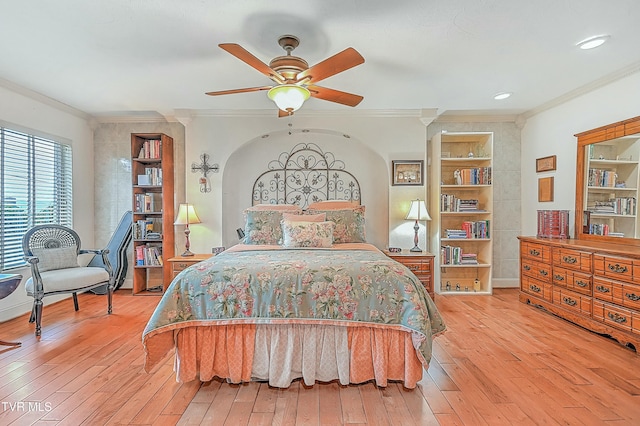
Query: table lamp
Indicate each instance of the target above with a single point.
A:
(417, 211)
(186, 215)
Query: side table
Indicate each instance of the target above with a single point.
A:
(8, 284)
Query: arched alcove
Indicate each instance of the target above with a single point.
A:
(251, 159)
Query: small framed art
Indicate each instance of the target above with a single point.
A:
(407, 172)
(545, 189)
(546, 164)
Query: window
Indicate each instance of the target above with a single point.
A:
(35, 188)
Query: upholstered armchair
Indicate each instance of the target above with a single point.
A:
(52, 251)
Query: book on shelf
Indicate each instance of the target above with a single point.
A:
(147, 228)
(150, 202)
(602, 178)
(451, 203)
(452, 255)
(149, 255)
(151, 149)
(476, 176)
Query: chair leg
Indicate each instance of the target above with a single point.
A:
(38, 315)
(75, 301)
(109, 298)
(32, 318)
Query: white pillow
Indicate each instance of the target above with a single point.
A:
(56, 258)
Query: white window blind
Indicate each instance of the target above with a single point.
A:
(35, 188)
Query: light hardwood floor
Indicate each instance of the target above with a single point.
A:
(500, 362)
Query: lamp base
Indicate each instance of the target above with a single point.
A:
(416, 249)
(187, 253)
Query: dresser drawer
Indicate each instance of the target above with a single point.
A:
(576, 302)
(536, 270)
(573, 259)
(616, 268)
(535, 251)
(573, 280)
(536, 288)
(616, 316)
(602, 289)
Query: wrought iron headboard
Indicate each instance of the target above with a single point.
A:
(303, 176)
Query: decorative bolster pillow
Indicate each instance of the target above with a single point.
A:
(298, 234)
(320, 217)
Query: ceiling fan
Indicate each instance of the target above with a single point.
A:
(295, 80)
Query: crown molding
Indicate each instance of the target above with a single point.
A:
(584, 89)
(39, 97)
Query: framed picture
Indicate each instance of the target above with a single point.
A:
(546, 164)
(407, 172)
(545, 189)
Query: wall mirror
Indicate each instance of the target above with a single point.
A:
(608, 182)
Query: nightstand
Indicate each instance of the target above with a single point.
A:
(421, 264)
(180, 263)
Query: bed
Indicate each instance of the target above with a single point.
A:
(303, 296)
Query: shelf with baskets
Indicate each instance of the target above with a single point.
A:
(153, 211)
(461, 208)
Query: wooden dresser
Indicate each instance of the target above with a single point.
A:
(593, 284)
(421, 264)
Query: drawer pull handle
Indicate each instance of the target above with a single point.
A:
(182, 265)
(413, 268)
(526, 267)
(569, 259)
(582, 284)
(603, 289)
(534, 288)
(617, 318)
(558, 277)
(569, 301)
(617, 268)
(632, 296)
(543, 272)
(534, 252)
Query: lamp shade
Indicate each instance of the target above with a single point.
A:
(418, 211)
(288, 97)
(186, 215)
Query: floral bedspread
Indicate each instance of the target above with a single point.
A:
(337, 287)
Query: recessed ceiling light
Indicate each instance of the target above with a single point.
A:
(592, 42)
(502, 95)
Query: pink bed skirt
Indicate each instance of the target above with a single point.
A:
(281, 353)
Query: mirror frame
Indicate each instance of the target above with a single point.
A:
(600, 134)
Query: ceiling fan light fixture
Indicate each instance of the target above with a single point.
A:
(288, 97)
(592, 42)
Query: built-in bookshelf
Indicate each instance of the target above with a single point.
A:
(153, 211)
(612, 188)
(461, 208)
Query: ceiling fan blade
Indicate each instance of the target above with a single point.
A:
(230, 92)
(333, 95)
(246, 57)
(333, 65)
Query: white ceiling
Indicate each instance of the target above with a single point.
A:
(140, 56)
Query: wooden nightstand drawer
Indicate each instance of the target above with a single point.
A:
(180, 263)
(421, 264)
